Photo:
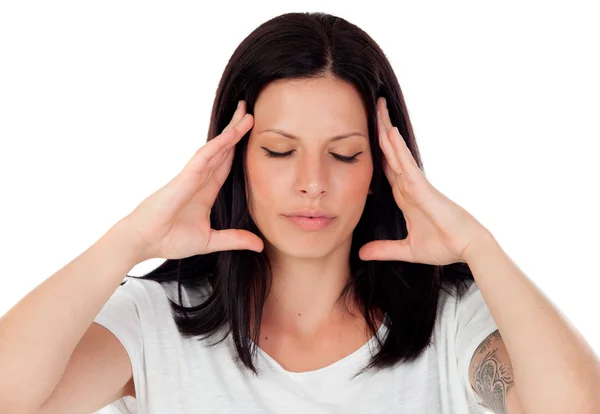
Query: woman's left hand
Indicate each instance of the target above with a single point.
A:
(440, 232)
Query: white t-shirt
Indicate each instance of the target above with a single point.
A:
(173, 374)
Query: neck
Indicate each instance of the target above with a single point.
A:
(305, 292)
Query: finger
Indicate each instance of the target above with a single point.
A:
(207, 184)
(394, 174)
(387, 170)
(222, 170)
(205, 156)
(386, 250)
(398, 143)
(233, 239)
(200, 168)
(239, 113)
(226, 139)
(223, 162)
(216, 145)
(218, 159)
(210, 149)
(386, 146)
(240, 130)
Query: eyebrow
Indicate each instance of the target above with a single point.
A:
(291, 136)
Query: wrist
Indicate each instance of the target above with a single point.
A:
(484, 240)
(124, 236)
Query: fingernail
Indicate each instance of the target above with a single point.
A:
(384, 102)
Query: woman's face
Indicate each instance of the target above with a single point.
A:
(310, 177)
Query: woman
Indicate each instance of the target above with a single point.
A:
(293, 281)
(301, 307)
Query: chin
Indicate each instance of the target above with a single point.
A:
(304, 244)
(300, 250)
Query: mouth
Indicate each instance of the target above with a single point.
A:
(310, 213)
(310, 223)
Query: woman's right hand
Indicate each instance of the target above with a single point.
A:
(174, 222)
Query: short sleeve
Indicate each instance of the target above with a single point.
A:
(121, 316)
(474, 323)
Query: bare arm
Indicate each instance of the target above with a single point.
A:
(99, 372)
(42, 353)
(39, 334)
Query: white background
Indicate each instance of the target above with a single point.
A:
(102, 103)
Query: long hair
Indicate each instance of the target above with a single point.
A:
(304, 46)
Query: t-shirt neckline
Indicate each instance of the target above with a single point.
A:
(357, 354)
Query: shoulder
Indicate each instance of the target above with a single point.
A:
(147, 290)
(454, 298)
(138, 293)
(468, 299)
(473, 320)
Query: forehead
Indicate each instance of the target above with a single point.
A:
(326, 105)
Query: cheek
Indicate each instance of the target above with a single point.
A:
(264, 183)
(353, 192)
(353, 183)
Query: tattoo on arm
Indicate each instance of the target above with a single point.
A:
(492, 377)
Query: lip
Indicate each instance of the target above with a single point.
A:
(310, 224)
(310, 213)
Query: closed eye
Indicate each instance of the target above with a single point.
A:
(342, 158)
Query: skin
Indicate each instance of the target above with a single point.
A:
(304, 326)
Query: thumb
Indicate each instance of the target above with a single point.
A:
(386, 250)
(233, 239)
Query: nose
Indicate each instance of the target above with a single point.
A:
(311, 176)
